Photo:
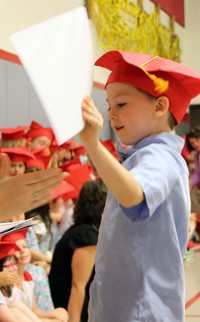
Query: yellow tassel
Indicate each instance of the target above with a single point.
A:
(161, 85)
(47, 151)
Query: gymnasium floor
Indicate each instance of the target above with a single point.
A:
(192, 275)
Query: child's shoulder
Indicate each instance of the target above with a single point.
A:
(161, 150)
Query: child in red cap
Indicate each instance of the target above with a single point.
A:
(143, 235)
(28, 298)
(18, 158)
(11, 308)
(39, 136)
(13, 137)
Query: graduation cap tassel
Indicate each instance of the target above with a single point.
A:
(161, 85)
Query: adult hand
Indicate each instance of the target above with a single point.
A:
(9, 278)
(25, 192)
(93, 123)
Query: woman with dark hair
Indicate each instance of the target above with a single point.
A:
(72, 268)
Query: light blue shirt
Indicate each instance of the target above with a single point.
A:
(31, 239)
(139, 262)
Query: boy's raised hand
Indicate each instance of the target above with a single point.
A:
(93, 123)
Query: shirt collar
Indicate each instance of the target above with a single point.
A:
(169, 139)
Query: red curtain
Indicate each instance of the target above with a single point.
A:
(173, 8)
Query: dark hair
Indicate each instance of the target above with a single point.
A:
(90, 203)
(6, 290)
(195, 134)
(42, 213)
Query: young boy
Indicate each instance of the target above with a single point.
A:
(143, 234)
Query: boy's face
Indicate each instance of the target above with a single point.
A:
(130, 112)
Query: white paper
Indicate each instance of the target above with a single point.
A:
(10, 227)
(58, 58)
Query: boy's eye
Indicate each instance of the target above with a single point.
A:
(120, 105)
(108, 108)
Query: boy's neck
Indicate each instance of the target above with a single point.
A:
(161, 128)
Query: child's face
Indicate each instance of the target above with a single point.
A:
(195, 143)
(57, 204)
(39, 142)
(17, 168)
(57, 210)
(131, 112)
(23, 255)
(10, 265)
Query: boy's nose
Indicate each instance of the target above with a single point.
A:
(111, 115)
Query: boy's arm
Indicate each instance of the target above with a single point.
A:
(119, 181)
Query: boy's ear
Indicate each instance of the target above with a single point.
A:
(162, 106)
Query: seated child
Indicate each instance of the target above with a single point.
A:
(12, 308)
(23, 255)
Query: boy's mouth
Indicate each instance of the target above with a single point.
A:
(118, 128)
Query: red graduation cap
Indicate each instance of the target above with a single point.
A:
(70, 144)
(74, 147)
(78, 177)
(65, 190)
(43, 154)
(15, 236)
(18, 154)
(71, 165)
(37, 130)
(32, 163)
(54, 146)
(79, 150)
(7, 249)
(13, 133)
(155, 75)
